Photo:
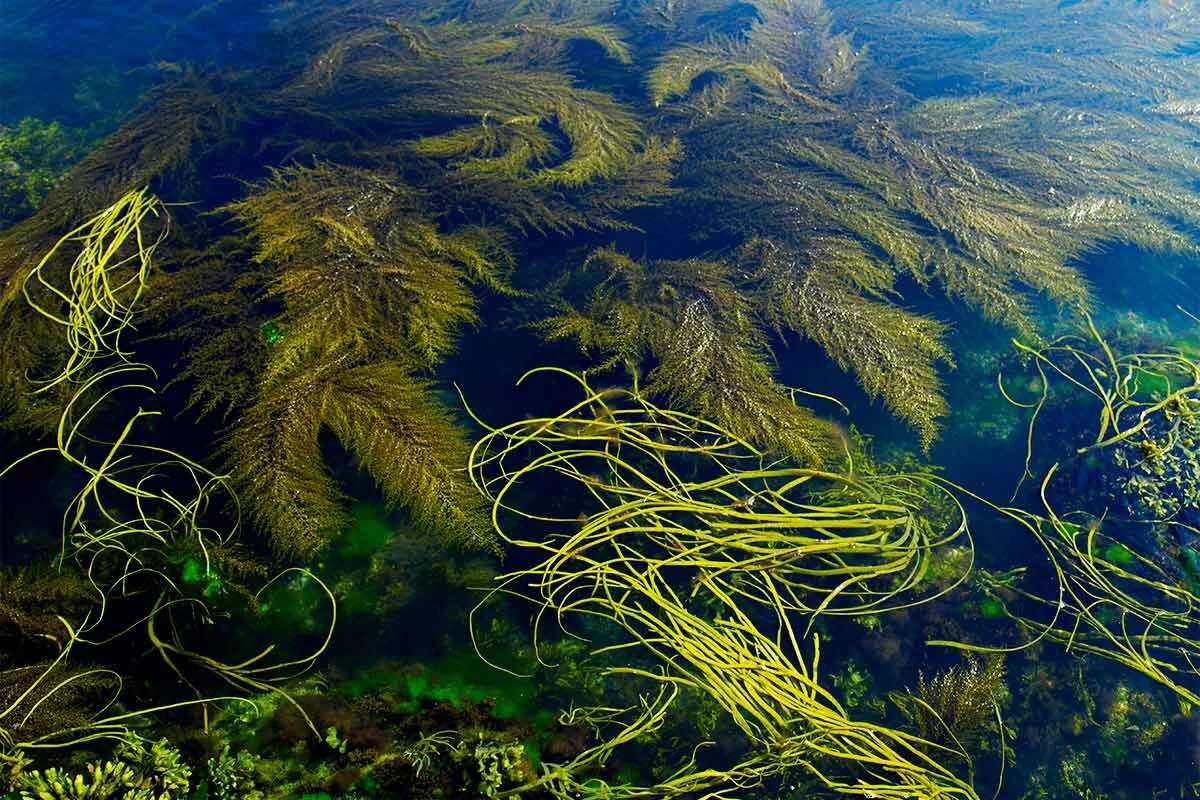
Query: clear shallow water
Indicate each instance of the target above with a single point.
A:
(383, 215)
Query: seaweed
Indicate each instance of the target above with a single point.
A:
(371, 293)
(701, 334)
(677, 189)
(155, 146)
(893, 352)
(957, 705)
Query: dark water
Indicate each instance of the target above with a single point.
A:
(383, 214)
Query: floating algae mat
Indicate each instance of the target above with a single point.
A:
(681, 399)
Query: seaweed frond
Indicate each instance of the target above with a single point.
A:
(491, 118)
(154, 147)
(956, 706)
(388, 419)
(371, 291)
(894, 353)
(360, 264)
(688, 320)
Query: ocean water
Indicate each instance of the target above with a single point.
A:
(575, 399)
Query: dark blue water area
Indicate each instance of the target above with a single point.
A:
(77, 61)
(1155, 286)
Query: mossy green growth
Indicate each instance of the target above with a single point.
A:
(370, 680)
(533, 753)
(629, 775)
(34, 155)
(271, 333)
(1188, 346)
(854, 682)
(456, 680)
(354, 602)
(457, 683)
(946, 566)
(296, 604)
(1151, 384)
(1189, 559)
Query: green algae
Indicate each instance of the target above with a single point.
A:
(34, 156)
(1119, 554)
(371, 531)
(271, 333)
(462, 679)
(991, 609)
(297, 604)
(532, 752)
(1150, 384)
(193, 573)
(457, 680)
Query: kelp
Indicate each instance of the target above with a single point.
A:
(356, 257)
(208, 304)
(920, 212)
(382, 414)
(31, 601)
(1033, 49)
(161, 139)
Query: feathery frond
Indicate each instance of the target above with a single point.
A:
(701, 335)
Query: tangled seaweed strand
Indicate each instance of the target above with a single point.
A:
(672, 500)
(103, 289)
(133, 507)
(1113, 601)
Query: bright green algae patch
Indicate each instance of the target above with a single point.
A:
(991, 609)
(1119, 554)
(1151, 384)
(458, 680)
(371, 531)
(194, 573)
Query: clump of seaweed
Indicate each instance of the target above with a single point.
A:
(137, 771)
(494, 120)
(127, 523)
(958, 705)
(151, 149)
(34, 155)
(681, 501)
(371, 294)
(31, 601)
(782, 169)
(702, 335)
